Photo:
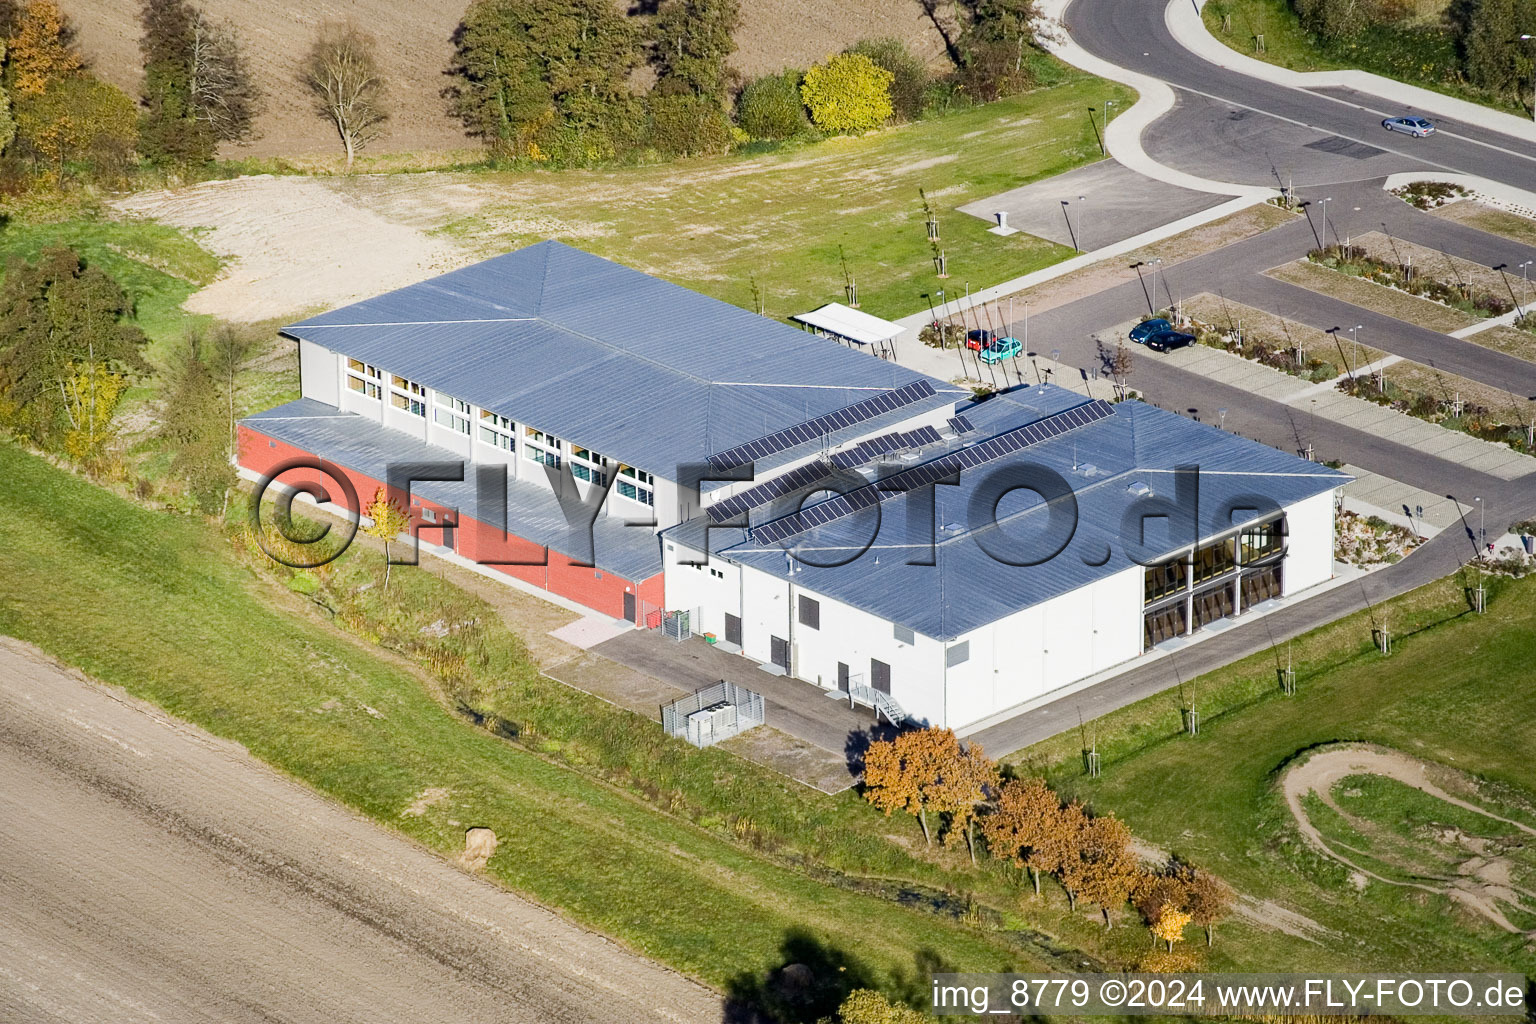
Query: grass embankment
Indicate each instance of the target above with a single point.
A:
(789, 218)
(1456, 690)
(162, 606)
(1418, 51)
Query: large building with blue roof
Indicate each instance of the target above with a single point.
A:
(643, 449)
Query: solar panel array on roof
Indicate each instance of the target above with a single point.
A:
(884, 402)
(931, 472)
(867, 451)
(765, 492)
(960, 425)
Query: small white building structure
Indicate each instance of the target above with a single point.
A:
(853, 327)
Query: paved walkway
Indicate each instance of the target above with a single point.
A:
(800, 709)
(1314, 400)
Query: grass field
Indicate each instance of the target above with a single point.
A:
(1455, 691)
(158, 266)
(789, 219)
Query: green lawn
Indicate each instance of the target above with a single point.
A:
(161, 605)
(1417, 52)
(788, 218)
(1457, 690)
(158, 266)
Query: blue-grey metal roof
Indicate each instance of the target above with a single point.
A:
(1106, 465)
(644, 371)
(533, 512)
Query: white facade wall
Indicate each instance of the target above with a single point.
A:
(1045, 647)
(1309, 547)
(319, 374)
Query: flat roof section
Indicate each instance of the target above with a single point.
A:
(644, 371)
(533, 512)
(855, 325)
(1110, 465)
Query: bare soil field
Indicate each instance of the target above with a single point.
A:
(415, 46)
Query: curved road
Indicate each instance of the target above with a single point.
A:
(152, 872)
(1230, 126)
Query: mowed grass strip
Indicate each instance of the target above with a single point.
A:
(789, 220)
(1456, 690)
(160, 606)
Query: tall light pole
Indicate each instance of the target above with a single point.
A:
(1223, 414)
(1525, 283)
(1482, 522)
(1354, 334)
(1325, 220)
(1082, 246)
(1156, 263)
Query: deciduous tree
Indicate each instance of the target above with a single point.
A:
(909, 78)
(197, 88)
(967, 779)
(194, 422)
(1170, 926)
(1207, 898)
(848, 94)
(343, 77)
(56, 316)
(42, 50)
(1102, 867)
(389, 521)
(1026, 826)
(91, 394)
(906, 773)
(76, 117)
(690, 43)
(535, 78)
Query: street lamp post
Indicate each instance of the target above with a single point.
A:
(1081, 245)
(1482, 523)
(1223, 414)
(1325, 220)
(1354, 334)
(1156, 265)
(1525, 283)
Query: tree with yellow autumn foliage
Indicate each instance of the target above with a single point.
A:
(42, 49)
(1170, 926)
(389, 522)
(91, 395)
(968, 779)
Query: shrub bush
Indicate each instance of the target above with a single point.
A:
(687, 125)
(910, 79)
(848, 94)
(770, 108)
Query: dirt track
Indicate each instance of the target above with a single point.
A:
(152, 872)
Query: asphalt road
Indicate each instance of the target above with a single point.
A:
(152, 872)
(1232, 127)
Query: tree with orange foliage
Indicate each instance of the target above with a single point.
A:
(1157, 893)
(902, 774)
(968, 778)
(1061, 846)
(1104, 869)
(42, 50)
(1026, 827)
(1207, 898)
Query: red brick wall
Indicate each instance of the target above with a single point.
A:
(480, 542)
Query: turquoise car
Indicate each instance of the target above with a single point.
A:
(1002, 348)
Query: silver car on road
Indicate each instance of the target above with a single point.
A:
(1415, 126)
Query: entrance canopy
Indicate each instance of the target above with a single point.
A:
(852, 327)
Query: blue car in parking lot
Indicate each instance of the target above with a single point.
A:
(1144, 330)
(1002, 348)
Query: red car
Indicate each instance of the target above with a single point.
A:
(980, 339)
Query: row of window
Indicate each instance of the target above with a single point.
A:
(499, 431)
(1216, 559)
